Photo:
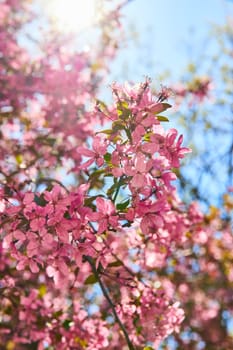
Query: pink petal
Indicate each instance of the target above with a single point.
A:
(86, 152)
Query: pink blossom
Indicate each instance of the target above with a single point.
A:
(99, 149)
(106, 214)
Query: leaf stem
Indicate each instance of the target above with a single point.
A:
(118, 189)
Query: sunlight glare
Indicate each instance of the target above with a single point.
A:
(71, 15)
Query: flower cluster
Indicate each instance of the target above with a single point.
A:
(83, 236)
(96, 247)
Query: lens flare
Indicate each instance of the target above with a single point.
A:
(71, 15)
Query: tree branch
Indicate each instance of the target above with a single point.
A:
(106, 295)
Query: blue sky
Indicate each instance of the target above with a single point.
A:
(169, 34)
(161, 35)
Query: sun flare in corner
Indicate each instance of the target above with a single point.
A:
(71, 15)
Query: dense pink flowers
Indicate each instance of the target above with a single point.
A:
(99, 149)
(106, 215)
(64, 235)
(96, 246)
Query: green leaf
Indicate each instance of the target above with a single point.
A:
(162, 118)
(139, 329)
(117, 126)
(148, 348)
(147, 136)
(58, 337)
(111, 190)
(67, 215)
(51, 141)
(123, 110)
(107, 157)
(42, 290)
(101, 106)
(88, 201)
(123, 114)
(123, 104)
(166, 106)
(66, 324)
(106, 131)
(161, 107)
(19, 158)
(96, 174)
(115, 263)
(40, 200)
(128, 133)
(57, 314)
(81, 342)
(91, 279)
(122, 206)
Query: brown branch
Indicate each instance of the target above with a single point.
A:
(106, 295)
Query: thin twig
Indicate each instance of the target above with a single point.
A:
(106, 295)
(49, 180)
